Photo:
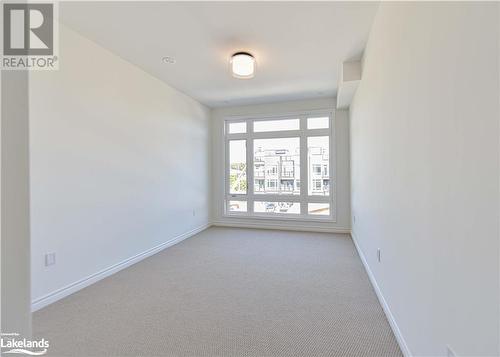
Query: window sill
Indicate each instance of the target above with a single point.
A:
(278, 217)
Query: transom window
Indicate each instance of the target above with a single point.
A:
(279, 166)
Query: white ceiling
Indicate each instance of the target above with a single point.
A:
(298, 46)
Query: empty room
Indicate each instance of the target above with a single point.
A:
(255, 179)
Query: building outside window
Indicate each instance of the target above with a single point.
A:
(317, 185)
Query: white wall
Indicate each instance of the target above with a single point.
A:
(425, 172)
(15, 207)
(343, 208)
(119, 163)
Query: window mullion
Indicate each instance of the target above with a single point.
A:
(303, 166)
(226, 174)
(250, 166)
(333, 168)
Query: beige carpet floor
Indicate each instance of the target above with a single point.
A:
(228, 292)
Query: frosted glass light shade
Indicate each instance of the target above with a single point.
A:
(242, 65)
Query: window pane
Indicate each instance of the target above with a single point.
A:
(276, 125)
(237, 128)
(318, 123)
(277, 207)
(238, 167)
(237, 206)
(322, 209)
(318, 165)
(277, 166)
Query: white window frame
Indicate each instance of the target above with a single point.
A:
(303, 133)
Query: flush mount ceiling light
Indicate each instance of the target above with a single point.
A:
(242, 65)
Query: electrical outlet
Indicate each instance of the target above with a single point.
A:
(50, 259)
(450, 352)
(378, 254)
(194, 213)
(354, 219)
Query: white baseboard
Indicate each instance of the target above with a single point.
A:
(54, 296)
(390, 317)
(281, 226)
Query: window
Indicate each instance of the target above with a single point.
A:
(318, 157)
(318, 123)
(319, 208)
(277, 207)
(237, 127)
(278, 159)
(316, 185)
(260, 126)
(237, 167)
(271, 185)
(259, 185)
(272, 170)
(266, 159)
(260, 169)
(237, 206)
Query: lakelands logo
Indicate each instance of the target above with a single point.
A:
(30, 36)
(12, 343)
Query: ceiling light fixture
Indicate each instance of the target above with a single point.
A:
(242, 65)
